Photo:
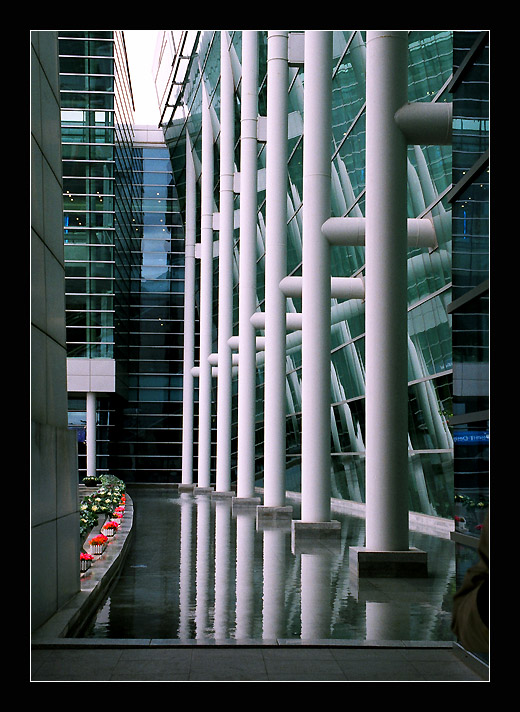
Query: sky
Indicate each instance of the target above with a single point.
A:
(140, 48)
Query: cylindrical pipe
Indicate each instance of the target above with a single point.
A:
(189, 319)
(347, 288)
(316, 297)
(234, 342)
(247, 267)
(386, 298)
(275, 268)
(426, 124)
(351, 231)
(344, 231)
(341, 287)
(225, 271)
(421, 233)
(206, 296)
(91, 434)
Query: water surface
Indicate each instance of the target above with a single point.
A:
(199, 568)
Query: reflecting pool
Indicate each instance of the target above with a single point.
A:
(200, 568)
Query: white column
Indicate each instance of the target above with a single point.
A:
(225, 271)
(91, 434)
(316, 283)
(386, 298)
(247, 267)
(189, 319)
(206, 296)
(275, 268)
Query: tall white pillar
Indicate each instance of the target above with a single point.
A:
(386, 316)
(316, 281)
(225, 268)
(206, 297)
(189, 320)
(247, 268)
(91, 434)
(275, 269)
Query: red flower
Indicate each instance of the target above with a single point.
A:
(110, 525)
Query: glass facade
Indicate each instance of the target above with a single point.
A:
(125, 282)
(146, 442)
(87, 72)
(470, 306)
(430, 366)
(99, 203)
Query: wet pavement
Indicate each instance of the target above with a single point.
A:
(205, 594)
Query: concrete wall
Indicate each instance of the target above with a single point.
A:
(54, 498)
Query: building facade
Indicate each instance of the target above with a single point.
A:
(124, 269)
(429, 281)
(222, 325)
(54, 505)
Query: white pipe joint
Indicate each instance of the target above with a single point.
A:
(195, 371)
(421, 232)
(293, 321)
(347, 288)
(426, 124)
(344, 231)
(341, 287)
(213, 359)
(234, 343)
(351, 232)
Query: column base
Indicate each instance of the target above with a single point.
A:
(316, 530)
(246, 502)
(273, 516)
(186, 487)
(411, 563)
(222, 494)
(315, 537)
(198, 489)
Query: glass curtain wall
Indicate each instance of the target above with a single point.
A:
(97, 130)
(470, 306)
(146, 442)
(87, 98)
(469, 309)
(429, 272)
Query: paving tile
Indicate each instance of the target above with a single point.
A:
(438, 671)
(232, 664)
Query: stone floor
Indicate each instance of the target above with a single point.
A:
(156, 661)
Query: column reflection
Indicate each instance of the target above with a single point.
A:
(245, 589)
(185, 565)
(203, 547)
(274, 583)
(222, 567)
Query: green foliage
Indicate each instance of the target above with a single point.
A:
(103, 501)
